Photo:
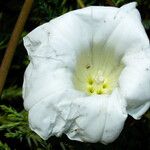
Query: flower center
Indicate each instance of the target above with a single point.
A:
(98, 84)
(97, 75)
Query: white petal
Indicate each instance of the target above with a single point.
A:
(51, 116)
(135, 82)
(43, 78)
(101, 118)
(61, 38)
(90, 119)
(119, 31)
(130, 8)
(128, 34)
(98, 25)
(101, 28)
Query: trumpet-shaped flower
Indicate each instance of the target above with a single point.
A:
(88, 70)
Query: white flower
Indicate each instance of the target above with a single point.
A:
(88, 70)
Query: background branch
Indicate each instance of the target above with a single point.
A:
(6, 62)
(80, 3)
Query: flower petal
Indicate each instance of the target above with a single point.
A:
(89, 119)
(61, 37)
(43, 78)
(98, 121)
(51, 116)
(135, 82)
(127, 34)
(97, 24)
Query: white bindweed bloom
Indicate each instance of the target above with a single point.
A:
(88, 70)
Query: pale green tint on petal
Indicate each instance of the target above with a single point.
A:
(97, 71)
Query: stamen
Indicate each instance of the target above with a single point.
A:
(90, 81)
(90, 90)
(105, 86)
(99, 91)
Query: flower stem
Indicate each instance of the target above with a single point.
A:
(6, 62)
(80, 3)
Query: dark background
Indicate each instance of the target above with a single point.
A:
(14, 131)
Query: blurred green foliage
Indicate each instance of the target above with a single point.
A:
(14, 131)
